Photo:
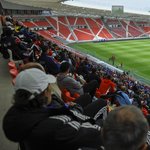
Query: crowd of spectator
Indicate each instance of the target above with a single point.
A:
(40, 121)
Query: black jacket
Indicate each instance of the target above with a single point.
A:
(93, 76)
(15, 45)
(51, 128)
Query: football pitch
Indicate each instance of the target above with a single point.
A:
(134, 54)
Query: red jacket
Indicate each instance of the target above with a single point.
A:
(106, 86)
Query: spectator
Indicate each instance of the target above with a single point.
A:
(3, 20)
(73, 86)
(77, 62)
(48, 62)
(122, 97)
(93, 76)
(36, 124)
(72, 60)
(82, 69)
(125, 128)
(107, 89)
(19, 51)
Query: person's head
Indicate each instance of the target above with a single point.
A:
(63, 55)
(33, 65)
(45, 49)
(109, 76)
(64, 68)
(93, 70)
(123, 88)
(81, 60)
(125, 128)
(32, 89)
(9, 32)
(120, 84)
(71, 55)
(85, 62)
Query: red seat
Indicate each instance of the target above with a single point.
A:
(13, 73)
(117, 103)
(145, 112)
(13, 81)
(66, 95)
(12, 65)
(20, 67)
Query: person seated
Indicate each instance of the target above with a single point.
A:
(4, 21)
(107, 89)
(73, 86)
(63, 58)
(82, 69)
(122, 97)
(48, 62)
(19, 51)
(125, 128)
(93, 76)
(36, 124)
(28, 34)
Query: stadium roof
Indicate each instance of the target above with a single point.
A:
(60, 8)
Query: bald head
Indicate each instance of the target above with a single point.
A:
(33, 65)
(125, 128)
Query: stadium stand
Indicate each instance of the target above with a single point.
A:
(71, 20)
(52, 21)
(133, 29)
(83, 34)
(63, 27)
(42, 23)
(29, 24)
(80, 21)
(93, 25)
(119, 32)
(52, 32)
(112, 22)
(146, 29)
(105, 34)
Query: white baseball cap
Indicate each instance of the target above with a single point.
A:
(33, 80)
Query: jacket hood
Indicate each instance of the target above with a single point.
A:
(61, 77)
(107, 81)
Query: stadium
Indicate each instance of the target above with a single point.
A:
(113, 36)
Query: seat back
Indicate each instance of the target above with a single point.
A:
(13, 81)
(66, 95)
(20, 67)
(13, 73)
(145, 112)
(11, 58)
(117, 103)
(12, 65)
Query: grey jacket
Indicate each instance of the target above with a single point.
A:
(73, 86)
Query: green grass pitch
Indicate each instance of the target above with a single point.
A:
(134, 54)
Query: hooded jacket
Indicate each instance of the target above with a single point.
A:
(106, 86)
(51, 128)
(73, 86)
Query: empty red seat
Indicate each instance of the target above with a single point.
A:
(13, 73)
(66, 95)
(12, 65)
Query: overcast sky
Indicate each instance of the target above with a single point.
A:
(141, 5)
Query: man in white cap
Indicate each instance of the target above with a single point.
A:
(37, 125)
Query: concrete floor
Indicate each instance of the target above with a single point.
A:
(6, 93)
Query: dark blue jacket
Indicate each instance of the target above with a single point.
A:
(53, 67)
